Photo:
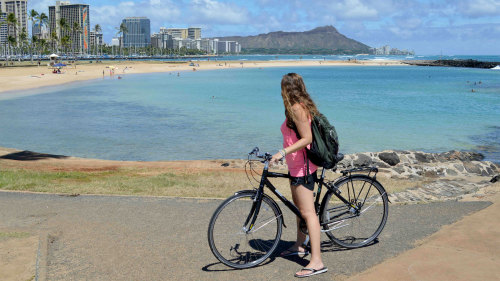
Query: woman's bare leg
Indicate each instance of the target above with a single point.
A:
(304, 200)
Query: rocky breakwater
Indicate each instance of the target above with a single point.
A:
(437, 176)
(454, 63)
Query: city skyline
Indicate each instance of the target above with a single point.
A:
(428, 27)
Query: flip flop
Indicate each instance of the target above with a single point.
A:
(288, 253)
(312, 270)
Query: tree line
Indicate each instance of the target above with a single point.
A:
(20, 44)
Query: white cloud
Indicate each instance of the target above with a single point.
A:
(353, 9)
(211, 11)
(479, 8)
(400, 32)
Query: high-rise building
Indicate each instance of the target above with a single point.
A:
(181, 33)
(115, 41)
(194, 33)
(228, 47)
(3, 29)
(71, 13)
(96, 38)
(20, 10)
(138, 32)
(39, 31)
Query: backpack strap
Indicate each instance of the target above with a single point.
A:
(306, 160)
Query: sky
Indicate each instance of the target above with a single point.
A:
(447, 27)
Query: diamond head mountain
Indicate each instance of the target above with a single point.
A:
(321, 40)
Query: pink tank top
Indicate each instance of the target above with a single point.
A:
(295, 161)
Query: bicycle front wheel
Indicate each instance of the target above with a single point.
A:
(355, 227)
(229, 238)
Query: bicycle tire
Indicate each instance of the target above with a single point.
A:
(350, 228)
(235, 247)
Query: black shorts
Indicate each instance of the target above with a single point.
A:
(311, 179)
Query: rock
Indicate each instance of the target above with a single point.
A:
(430, 174)
(362, 160)
(382, 165)
(459, 155)
(344, 163)
(390, 158)
(489, 171)
(495, 178)
(459, 167)
(472, 168)
(399, 170)
(423, 158)
(451, 172)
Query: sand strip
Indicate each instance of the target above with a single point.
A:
(32, 77)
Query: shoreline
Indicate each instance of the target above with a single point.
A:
(31, 77)
(408, 176)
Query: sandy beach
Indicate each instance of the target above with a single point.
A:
(31, 77)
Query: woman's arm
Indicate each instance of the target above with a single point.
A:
(304, 128)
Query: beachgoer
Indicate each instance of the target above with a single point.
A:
(299, 111)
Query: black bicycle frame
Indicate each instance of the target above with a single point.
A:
(264, 181)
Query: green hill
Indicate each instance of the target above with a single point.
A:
(321, 40)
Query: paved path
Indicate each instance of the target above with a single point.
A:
(146, 238)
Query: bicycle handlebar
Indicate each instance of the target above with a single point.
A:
(266, 156)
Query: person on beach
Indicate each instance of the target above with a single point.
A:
(299, 111)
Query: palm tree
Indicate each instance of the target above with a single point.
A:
(23, 38)
(53, 40)
(33, 16)
(64, 27)
(12, 42)
(42, 44)
(65, 42)
(97, 29)
(11, 22)
(122, 30)
(76, 29)
(43, 20)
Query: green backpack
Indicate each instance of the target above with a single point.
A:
(325, 144)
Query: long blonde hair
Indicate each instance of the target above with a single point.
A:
(293, 90)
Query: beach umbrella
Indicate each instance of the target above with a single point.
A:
(59, 64)
(54, 56)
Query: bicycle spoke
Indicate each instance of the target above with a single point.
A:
(355, 227)
(269, 221)
(242, 248)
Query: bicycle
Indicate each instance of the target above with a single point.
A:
(246, 228)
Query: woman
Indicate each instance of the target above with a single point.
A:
(299, 111)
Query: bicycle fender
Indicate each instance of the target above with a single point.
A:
(268, 197)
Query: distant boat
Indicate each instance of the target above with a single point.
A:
(496, 67)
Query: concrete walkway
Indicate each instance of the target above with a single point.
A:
(146, 238)
(467, 250)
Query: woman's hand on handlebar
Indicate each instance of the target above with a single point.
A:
(276, 158)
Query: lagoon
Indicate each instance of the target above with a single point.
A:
(225, 113)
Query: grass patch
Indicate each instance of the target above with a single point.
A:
(149, 181)
(9, 235)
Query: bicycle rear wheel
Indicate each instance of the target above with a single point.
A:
(350, 227)
(231, 242)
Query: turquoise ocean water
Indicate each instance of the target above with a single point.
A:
(225, 113)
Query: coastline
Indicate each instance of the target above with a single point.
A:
(31, 77)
